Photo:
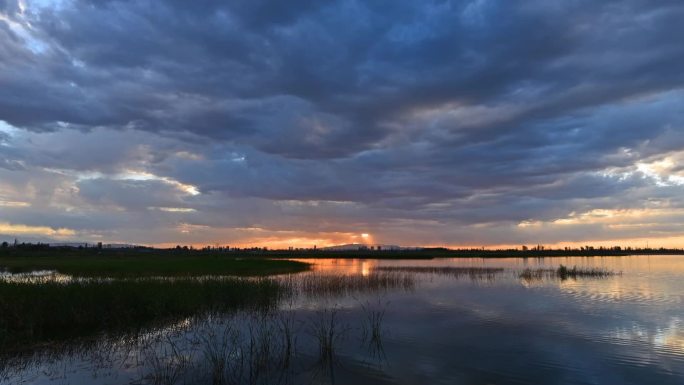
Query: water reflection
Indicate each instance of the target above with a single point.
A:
(37, 276)
(470, 321)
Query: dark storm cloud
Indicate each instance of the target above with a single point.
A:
(433, 113)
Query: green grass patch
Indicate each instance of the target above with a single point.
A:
(94, 263)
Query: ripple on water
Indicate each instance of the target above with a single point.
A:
(635, 297)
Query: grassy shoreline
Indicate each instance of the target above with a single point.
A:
(129, 265)
(145, 262)
(41, 311)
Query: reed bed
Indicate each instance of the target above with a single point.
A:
(564, 272)
(536, 274)
(316, 285)
(42, 312)
(474, 273)
(253, 346)
(35, 314)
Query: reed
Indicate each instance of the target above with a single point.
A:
(474, 273)
(38, 313)
(372, 326)
(166, 363)
(316, 285)
(327, 332)
(252, 348)
(563, 273)
(221, 352)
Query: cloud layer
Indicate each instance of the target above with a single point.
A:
(311, 122)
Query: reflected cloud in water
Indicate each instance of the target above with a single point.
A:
(406, 322)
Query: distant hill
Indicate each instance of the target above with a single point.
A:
(362, 246)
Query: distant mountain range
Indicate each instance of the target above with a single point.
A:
(362, 246)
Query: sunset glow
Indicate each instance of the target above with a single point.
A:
(354, 192)
(437, 128)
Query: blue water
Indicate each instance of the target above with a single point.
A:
(446, 329)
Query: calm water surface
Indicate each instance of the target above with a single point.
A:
(447, 329)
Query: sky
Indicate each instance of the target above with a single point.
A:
(312, 122)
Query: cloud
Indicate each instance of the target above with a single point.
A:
(8, 228)
(438, 122)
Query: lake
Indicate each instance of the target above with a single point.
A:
(440, 321)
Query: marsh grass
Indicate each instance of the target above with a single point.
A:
(136, 265)
(321, 285)
(255, 348)
(328, 332)
(473, 273)
(563, 273)
(372, 326)
(42, 318)
(287, 332)
(221, 353)
(50, 312)
(166, 362)
(263, 350)
(248, 348)
(42, 313)
(536, 274)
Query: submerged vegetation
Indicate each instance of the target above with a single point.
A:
(564, 272)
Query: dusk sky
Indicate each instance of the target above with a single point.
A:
(311, 122)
